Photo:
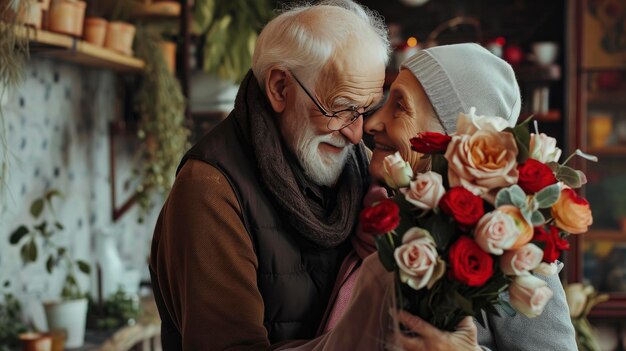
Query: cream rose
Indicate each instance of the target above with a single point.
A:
(529, 295)
(471, 122)
(495, 232)
(418, 260)
(543, 148)
(397, 172)
(548, 269)
(576, 296)
(571, 212)
(521, 261)
(425, 191)
(525, 228)
(482, 162)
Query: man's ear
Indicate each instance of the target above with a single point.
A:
(276, 88)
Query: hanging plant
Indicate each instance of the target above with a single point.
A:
(162, 129)
(13, 54)
(231, 29)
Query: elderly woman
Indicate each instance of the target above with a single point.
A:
(432, 88)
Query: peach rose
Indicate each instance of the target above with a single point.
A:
(529, 295)
(425, 191)
(525, 228)
(482, 162)
(418, 260)
(397, 172)
(521, 261)
(571, 212)
(543, 148)
(470, 123)
(495, 232)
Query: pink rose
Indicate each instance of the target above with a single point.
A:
(397, 172)
(543, 148)
(425, 191)
(482, 162)
(529, 295)
(521, 261)
(418, 260)
(495, 232)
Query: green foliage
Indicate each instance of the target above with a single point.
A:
(548, 196)
(522, 139)
(117, 311)
(10, 323)
(231, 29)
(161, 104)
(27, 236)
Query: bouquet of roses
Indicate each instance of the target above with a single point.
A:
(492, 213)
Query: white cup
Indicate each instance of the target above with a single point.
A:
(545, 52)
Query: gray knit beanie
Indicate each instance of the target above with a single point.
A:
(458, 77)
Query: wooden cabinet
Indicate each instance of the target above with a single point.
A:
(597, 124)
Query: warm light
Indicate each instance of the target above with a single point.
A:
(500, 41)
(411, 42)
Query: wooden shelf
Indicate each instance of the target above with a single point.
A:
(71, 49)
(605, 235)
(607, 98)
(159, 10)
(618, 150)
(537, 73)
(550, 116)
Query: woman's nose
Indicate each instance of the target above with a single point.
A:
(374, 123)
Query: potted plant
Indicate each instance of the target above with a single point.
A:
(11, 325)
(69, 312)
(120, 34)
(119, 310)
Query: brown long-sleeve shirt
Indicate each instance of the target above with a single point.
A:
(207, 278)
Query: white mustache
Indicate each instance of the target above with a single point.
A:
(334, 140)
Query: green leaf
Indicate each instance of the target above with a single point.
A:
(548, 196)
(18, 234)
(513, 195)
(58, 225)
(50, 264)
(481, 319)
(507, 308)
(83, 266)
(522, 139)
(36, 208)
(442, 229)
(570, 177)
(385, 253)
(6, 284)
(61, 251)
(41, 228)
(537, 219)
(464, 303)
(439, 165)
(52, 193)
(29, 252)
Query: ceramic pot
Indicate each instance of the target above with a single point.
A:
(69, 316)
(109, 263)
(168, 48)
(67, 16)
(95, 30)
(35, 342)
(119, 37)
(32, 16)
(58, 339)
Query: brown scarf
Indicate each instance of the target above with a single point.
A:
(324, 227)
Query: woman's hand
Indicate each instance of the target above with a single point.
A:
(432, 339)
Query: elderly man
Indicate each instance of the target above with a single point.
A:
(248, 244)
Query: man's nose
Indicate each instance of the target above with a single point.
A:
(354, 132)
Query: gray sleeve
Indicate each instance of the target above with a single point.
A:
(552, 330)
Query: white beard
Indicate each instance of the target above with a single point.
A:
(322, 168)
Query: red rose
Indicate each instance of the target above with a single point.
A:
(465, 207)
(534, 176)
(470, 264)
(380, 218)
(429, 142)
(554, 244)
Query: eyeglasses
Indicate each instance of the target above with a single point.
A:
(338, 120)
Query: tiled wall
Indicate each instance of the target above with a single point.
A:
(57, 137)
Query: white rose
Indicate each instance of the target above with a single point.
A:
(521, 261)
(548, 269)
(470, 123)
(576, 296)
(425, 191)
(543, 148)
(529, 295)
(495, 232)
(418, 260)
(397, 172)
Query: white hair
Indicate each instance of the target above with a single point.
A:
(303, 38)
